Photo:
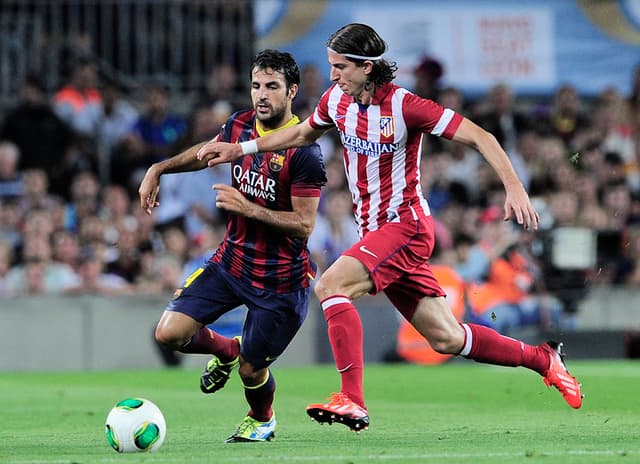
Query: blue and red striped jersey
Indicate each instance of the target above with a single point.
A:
(252, 251)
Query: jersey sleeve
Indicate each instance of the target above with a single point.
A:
(320, 118)
(430, 117)
(308, 174)
(238, 125)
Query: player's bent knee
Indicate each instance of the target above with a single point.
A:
(170, 337)
(445, 342)
(251, 376)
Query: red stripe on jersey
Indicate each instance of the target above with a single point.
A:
(362, 130)
(385, 166)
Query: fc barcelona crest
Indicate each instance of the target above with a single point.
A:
(387, 126)
(276, 162)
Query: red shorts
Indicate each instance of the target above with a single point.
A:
(397, 257)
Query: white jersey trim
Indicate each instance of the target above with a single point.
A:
(443, 122)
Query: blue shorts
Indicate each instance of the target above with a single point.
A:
(272, 319)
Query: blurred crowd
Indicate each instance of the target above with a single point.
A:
(71, 161)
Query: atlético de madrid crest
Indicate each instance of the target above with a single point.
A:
(276, 161)
(387, 126)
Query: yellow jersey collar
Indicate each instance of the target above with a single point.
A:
(262, 131)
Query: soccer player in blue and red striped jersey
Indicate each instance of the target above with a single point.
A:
(263, 261)
(381, 126)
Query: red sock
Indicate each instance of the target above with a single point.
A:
(206, 341)
(485, 345)
(345, 336)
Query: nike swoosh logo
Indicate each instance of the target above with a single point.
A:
(365, 250)
(344, 369)
(269, 358)
(340, 116)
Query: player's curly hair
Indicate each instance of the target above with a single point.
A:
(360, 39)
(282, 62)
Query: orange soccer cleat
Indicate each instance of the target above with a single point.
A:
(340, 409)
(558, 375)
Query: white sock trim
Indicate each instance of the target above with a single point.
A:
(334, 300)
(468, 341)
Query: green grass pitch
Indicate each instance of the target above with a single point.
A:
(458, 413)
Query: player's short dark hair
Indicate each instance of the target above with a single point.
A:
(362, 40)
(282, 62)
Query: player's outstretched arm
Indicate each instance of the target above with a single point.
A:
(302, 134)
(150, 185)
(517, 203)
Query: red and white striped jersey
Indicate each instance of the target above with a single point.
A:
(382, 149)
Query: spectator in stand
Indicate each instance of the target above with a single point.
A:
(91, 229)
(11, 183)
(612, 121)
(437, 183)
(176, 244)
(199, 210)
(335, 230)
(552, 152)
(312, 85)
(95, 280)
(161, 275)
(502, 119)
(66, 248)
(10, 223)
(36, 191)
(202, 246)
(154, 136)
(117, 120)
(41, 136)
(505, 296)
(85, 198)
(566, 116)
(38, 223)
(79, 102)
(127, 262)
(116, 203)
(564, 208)
(616, 200)
(524, 154)
(426, 78)
(37, 273)
(222, 87)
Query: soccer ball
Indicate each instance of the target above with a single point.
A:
(135, 424)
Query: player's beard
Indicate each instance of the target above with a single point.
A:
(274, 121)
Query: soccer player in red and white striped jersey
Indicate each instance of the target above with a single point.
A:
(381, 125)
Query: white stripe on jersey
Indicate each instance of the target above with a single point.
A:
(350, 125)
(443, 122)
(373, 168)
(398, 179)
